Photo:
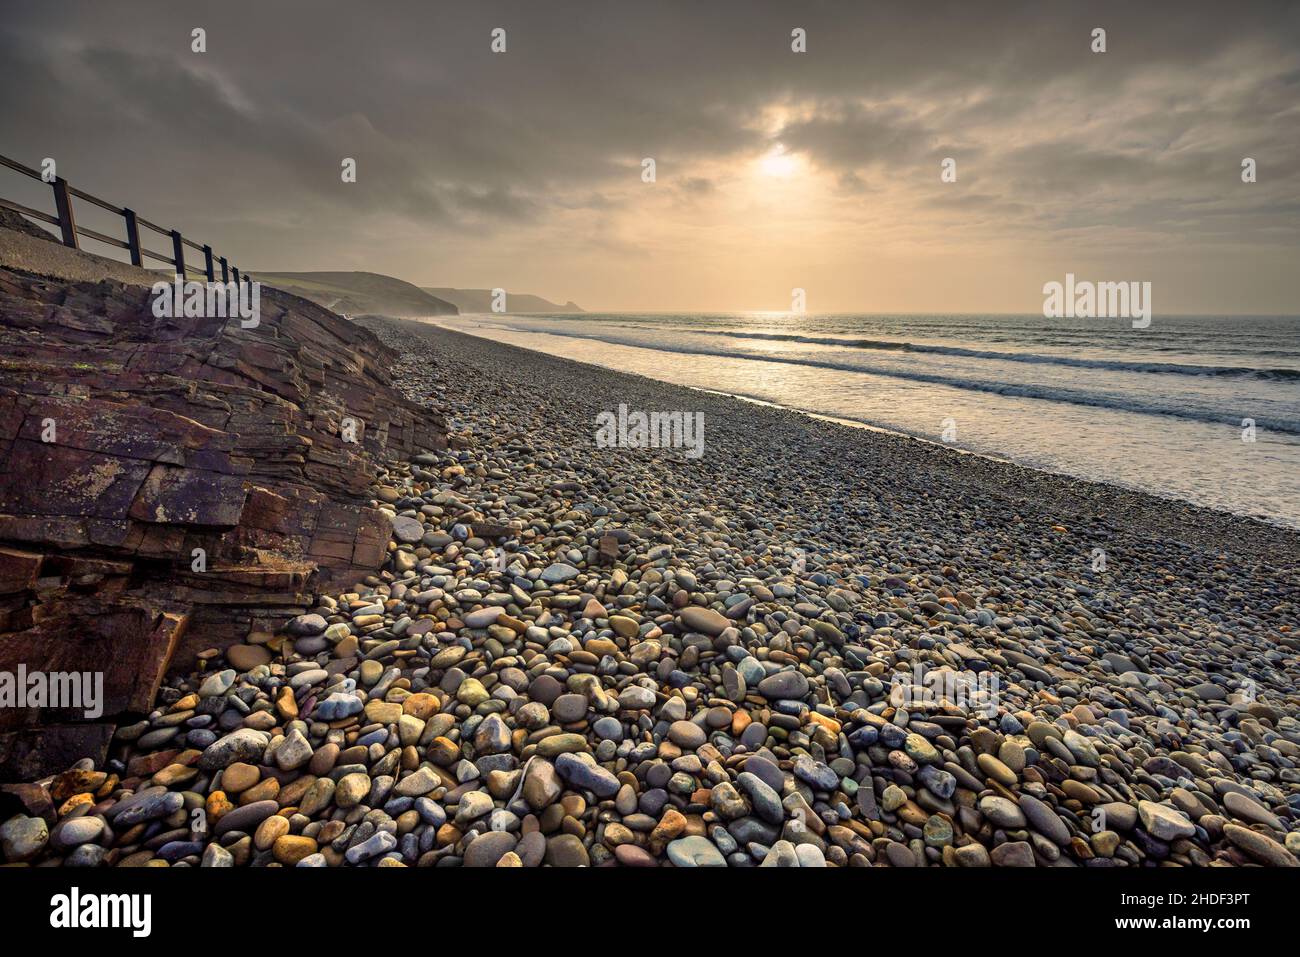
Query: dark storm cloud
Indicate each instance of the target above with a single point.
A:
(451, 138)
(851, 136)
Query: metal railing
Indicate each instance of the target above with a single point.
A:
(70, 231)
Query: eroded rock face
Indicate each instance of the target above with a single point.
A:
(165, 478)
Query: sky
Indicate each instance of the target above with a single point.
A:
(774, 169)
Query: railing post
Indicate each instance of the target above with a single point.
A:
(133, 237)
(178, 253)
(236, 272)
(63, 203)
(225, 270)
(207, 262)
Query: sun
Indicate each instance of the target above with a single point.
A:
(777, 162)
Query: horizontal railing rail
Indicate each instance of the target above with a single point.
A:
(70, 232)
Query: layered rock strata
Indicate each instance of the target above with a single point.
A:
(172, 484)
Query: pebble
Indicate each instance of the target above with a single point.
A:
(1002, 812)
(1165, 823)
(1251, 811)
(245, 744)
(1261, 847)
(486, 850)
(381, 842)
(71, 832)
(1044, 820)
(791, 685)
(1013, 854)
(22, 838)
(587, 774)
(695, 851)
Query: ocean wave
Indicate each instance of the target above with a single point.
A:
(1224, 342)
(1115, 365)
(1054, 393)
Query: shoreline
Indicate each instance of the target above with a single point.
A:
(1129, 488)
(1247, 533)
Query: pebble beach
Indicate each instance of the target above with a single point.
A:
(812, 645)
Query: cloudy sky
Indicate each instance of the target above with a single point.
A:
(774, 169)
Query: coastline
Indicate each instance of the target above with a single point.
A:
(1120, 509)
(813, 645)
(1076, 450)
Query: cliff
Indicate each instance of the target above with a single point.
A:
(359, 293)
(480, 300)
(170, 485)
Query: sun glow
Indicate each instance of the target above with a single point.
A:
(777, 162)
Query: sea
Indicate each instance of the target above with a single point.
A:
(1204, 409)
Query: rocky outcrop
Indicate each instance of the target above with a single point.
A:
(174, 484)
